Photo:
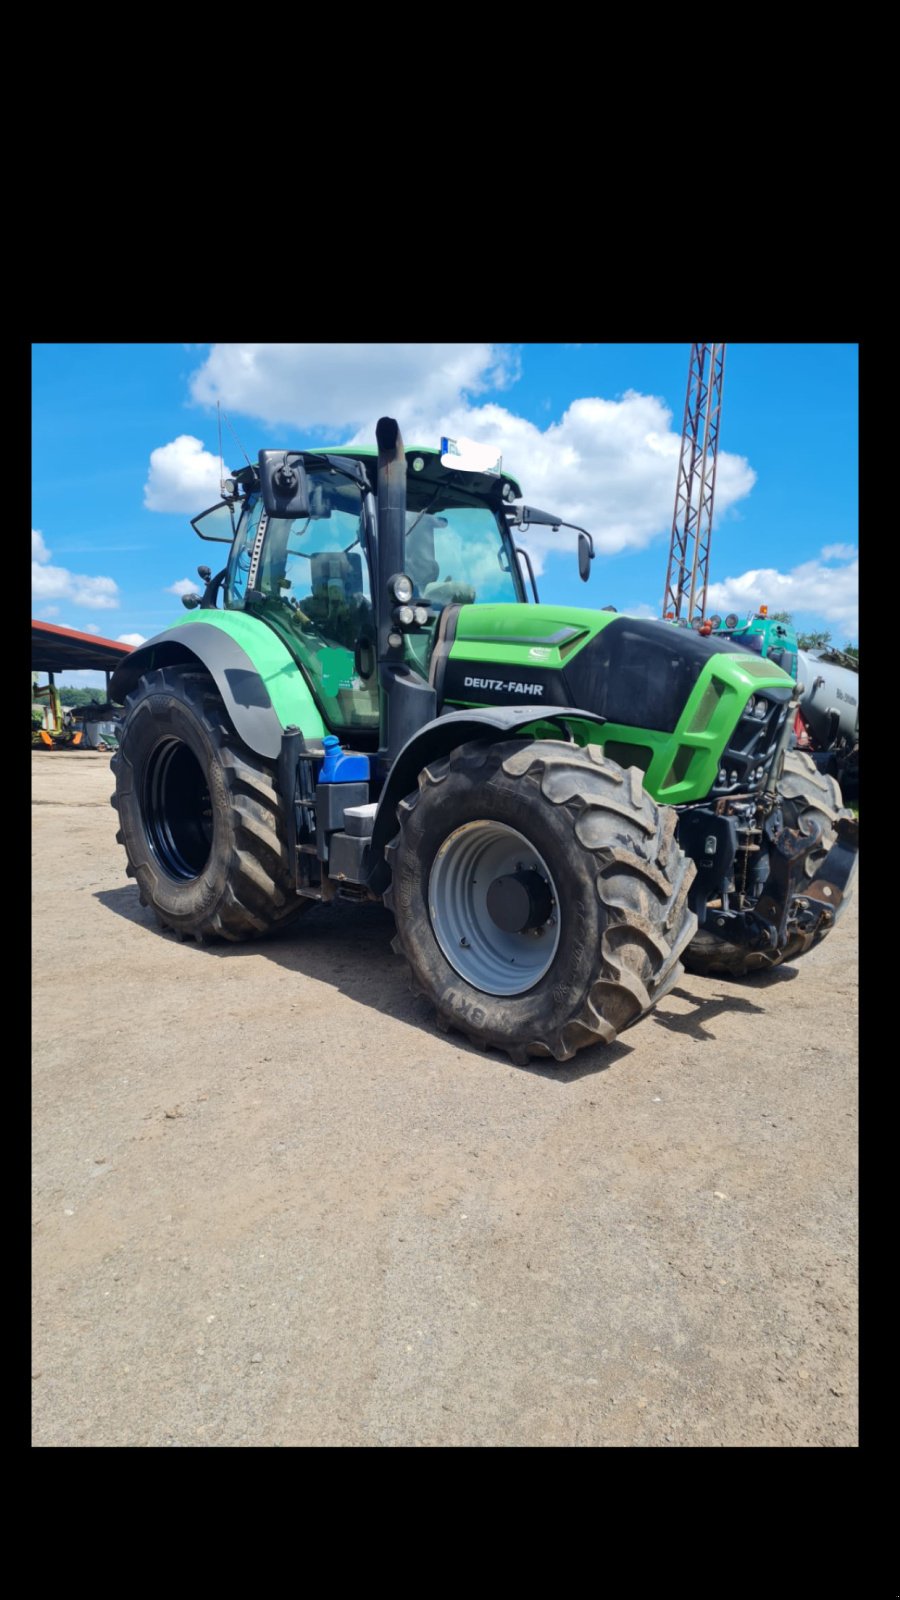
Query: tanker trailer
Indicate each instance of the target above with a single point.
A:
(828, 720)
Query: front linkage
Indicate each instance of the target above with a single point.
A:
(799, 902)
(799, 906)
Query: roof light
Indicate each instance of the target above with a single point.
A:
(764, 611)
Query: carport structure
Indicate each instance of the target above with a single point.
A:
(55, 650)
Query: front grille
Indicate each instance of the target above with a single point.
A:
(752, 746)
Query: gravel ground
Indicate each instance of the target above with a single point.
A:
(274, 1206)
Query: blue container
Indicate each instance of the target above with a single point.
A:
(342, 766)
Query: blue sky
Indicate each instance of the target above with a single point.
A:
(125, 448)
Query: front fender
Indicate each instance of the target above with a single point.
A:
(262, 687)
(437, 739)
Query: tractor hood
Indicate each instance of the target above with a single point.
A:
(670, 697)
(634, 670)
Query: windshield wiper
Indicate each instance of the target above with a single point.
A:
(429, 508)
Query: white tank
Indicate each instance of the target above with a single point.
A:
(829, 692)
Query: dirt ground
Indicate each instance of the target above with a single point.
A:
(274, 1206)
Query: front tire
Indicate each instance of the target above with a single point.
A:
(200, 815)
(806, 794)
(571, 847)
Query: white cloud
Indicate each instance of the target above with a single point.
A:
(90, 627)
(609, 465)
(130, 638)
(183, 586)
(58, 583)
(829, 592)
(343, 386)
(183, 476)
(51, 611)
(839, 552)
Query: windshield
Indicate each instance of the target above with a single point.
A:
(457, 554)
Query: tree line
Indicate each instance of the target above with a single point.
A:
(81, 697)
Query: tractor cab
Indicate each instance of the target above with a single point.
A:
(307, 566)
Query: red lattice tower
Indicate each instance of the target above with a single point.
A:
(687, 575)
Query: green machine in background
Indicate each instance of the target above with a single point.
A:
(561, 806)
(826, 724)
(767, 637)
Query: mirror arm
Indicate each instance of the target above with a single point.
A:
(521, 552)
(211, 592)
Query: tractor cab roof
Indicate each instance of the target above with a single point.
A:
(424, 465)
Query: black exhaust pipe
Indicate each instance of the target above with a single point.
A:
(391, 530)
(406, 702)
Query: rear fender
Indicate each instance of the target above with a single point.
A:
(261, 685)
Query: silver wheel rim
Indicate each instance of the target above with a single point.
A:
(467, 868)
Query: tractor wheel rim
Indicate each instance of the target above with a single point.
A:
(494, 908)
(177, 810)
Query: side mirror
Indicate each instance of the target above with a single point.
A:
(205, 573)
(284, 485)
(190, 601)
(217, 523)
(585, 556)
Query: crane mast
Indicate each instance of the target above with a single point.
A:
(687, 574)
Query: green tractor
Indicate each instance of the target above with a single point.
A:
(560, 806)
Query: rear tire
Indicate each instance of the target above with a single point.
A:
(805, 793)
(200, 815)
(606, 881)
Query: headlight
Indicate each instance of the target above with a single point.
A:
(422, 615)
(405, 616)
(402, 588)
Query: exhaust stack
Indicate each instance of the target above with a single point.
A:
(391, 529)
(406, 703)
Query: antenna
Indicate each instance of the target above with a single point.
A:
(237, 440)
(221, 457)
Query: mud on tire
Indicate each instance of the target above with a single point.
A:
(200, 815)
(805, 793)
(622, 882)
